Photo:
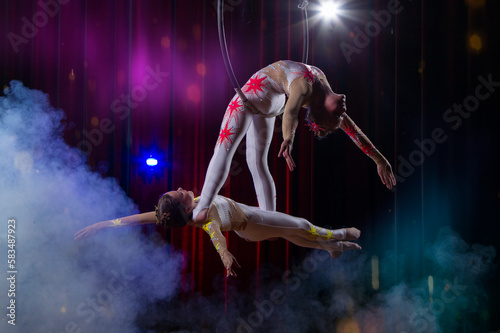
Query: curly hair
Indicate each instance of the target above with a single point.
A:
(170, 213)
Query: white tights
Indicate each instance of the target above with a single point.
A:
(259, 131)
(266, 225)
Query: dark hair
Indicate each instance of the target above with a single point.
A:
(319, 132)
(170, 213)
(313, 118)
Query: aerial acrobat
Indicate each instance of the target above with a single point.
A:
(282, 88)
(175, 209)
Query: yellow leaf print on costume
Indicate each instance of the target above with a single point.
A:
(315, 232)
(116, 223)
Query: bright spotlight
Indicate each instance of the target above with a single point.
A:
(151, 161)
(329, 10)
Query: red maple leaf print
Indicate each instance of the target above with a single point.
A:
(233, 110)
(353, 134)
(225, 136)
(255, 84)
(315, 128)
(308, 75)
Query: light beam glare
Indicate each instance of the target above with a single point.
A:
(329, 10)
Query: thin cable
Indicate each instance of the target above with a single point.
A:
(305, 28)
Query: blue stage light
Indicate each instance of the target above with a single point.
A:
(151, 161)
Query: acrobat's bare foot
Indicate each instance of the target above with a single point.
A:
(343, 247)
(352, 233)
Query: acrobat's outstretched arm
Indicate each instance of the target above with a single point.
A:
(300, 90)
(219, 241)
(127, 221)
(361, 140)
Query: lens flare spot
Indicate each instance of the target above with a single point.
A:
(72, 75)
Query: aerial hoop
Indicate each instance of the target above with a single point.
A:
(225, 54)
(305, 27)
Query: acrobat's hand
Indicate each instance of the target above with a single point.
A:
(385, 173)
(89, 231)
(228, 259)
(286, 152)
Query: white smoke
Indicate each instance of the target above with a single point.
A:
(100, 284)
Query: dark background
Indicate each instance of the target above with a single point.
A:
(399, 88)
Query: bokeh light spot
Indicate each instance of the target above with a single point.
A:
(196, 32)
(475, 42)
(120, 77)
(165, 42)
(476, 3)
(182, 44)
(421, 67)
(201, 69)
(92, 86)
(348, 326)
(193, 93)
(94, 121)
